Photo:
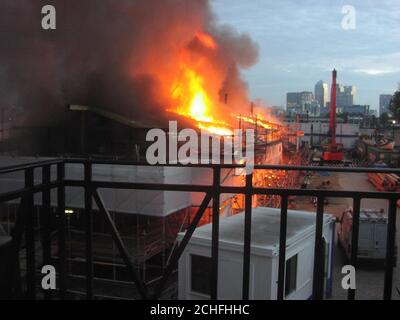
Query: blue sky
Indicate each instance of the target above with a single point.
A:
(302, 41)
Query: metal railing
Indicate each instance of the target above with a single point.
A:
(25, 224)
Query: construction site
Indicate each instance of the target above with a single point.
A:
(79, 191)
(148, 222)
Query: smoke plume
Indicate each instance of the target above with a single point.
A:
(121, 55)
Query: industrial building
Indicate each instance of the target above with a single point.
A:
(315, 132)
(148, 221)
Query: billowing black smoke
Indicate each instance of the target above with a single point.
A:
(114, 54)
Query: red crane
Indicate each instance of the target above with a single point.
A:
(334, 151)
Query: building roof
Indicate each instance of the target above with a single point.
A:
(265, 230)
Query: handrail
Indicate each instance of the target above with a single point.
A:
(37, 164)
(211, 191)
(31, 165)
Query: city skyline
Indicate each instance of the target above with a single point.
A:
(300, 43)
(315, 102)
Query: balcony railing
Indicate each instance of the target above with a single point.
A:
(25, 224)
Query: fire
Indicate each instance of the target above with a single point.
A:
(220, 131)
(206, 40)
(195, 92)
(198, 107)
(194, 102)
(256, 121)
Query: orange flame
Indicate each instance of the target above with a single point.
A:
(255, 121)
(189, 93)
(194, 102)
(193, 99)
(206, 40)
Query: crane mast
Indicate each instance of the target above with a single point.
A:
(333, 151)
(332, 122)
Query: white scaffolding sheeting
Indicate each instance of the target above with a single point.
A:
(151, 203)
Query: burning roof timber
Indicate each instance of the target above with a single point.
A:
(149, 121)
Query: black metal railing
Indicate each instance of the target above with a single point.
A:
(25, 221)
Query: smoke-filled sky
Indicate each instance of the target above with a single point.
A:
(126, 55)
(301, 41)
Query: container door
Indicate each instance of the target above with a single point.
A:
(230, 279)
(380, 240)
(366, 240)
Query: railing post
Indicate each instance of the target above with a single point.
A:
(318, 273)
(282, 248)
(13, 270)
(354, 241)
(120, 244)
(390, 249)
(177, 252)
(89, 230)
(247, 237)
(46, 218)
(30, 237)
(62, 265)
(215, 232)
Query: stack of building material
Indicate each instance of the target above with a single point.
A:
(385, 181)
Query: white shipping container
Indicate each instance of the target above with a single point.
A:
(195, 263)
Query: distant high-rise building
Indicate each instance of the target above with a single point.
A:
(361, 110)
(315, 109)
(373, 112)
(384, 103)
(299, 102)
(306, 97)
(321, 93)
(292, 100)
(345, 95)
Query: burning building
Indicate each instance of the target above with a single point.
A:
(150, 61)
(153, 62)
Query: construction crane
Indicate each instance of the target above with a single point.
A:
(333, 151)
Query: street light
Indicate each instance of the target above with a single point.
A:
(393, 127)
